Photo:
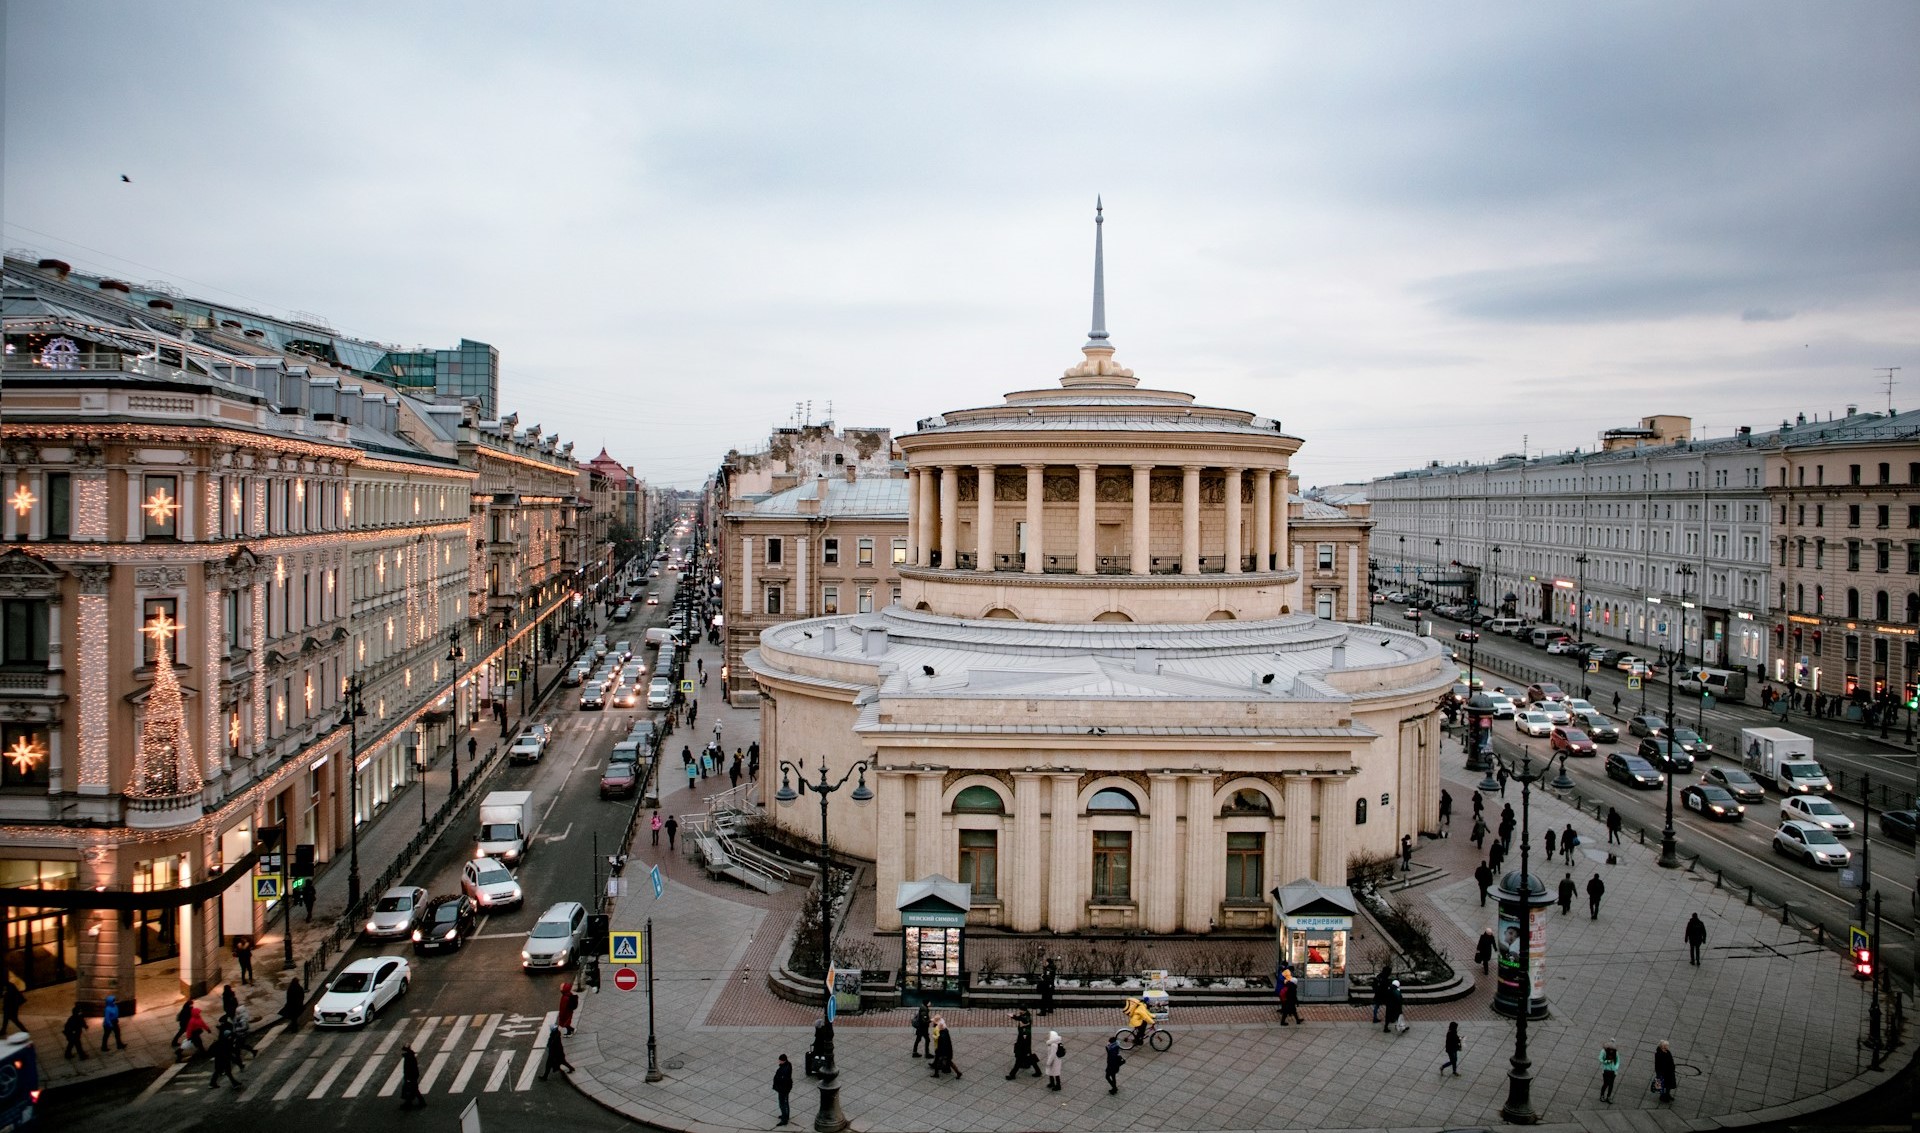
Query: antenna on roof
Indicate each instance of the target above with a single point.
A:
(1890, 371)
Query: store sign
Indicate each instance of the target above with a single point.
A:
(1320, 924)
(933, 918)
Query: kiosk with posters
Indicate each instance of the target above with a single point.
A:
(1316, 922)
(933, 923)
(1519, 897)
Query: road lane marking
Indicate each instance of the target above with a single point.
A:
(432, 1075)
(392, 1083)
(537, 1055)
(339, 1064)
(528, 1071)
(453, 1036)
(425, 1032)
(486, 1032)
(265, 1042)
(393, 1036)
(160, 1083)
(562, 836)
(366, 1072)
(466, 1071)
(293, 1080)
(499, 1075)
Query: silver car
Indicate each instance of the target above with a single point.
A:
(557, 937)
(394, 913)
(490, 884)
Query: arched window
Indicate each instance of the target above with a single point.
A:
(1247, 800)
(1359, 812)
(1112, 801)
(978, 800)
(1880, 608)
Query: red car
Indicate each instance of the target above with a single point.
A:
(622, 777)
(1573, 741)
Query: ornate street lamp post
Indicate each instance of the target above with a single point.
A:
(1518, 1108)
(351, 715)
(1669, 849)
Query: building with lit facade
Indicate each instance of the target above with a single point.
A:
(1099, 701)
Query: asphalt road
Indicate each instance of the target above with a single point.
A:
(476, 1019)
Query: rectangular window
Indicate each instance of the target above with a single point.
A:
(1246, 854)
(1853, 554)
(152, 612)
(60, 505)
(27, 768)
(1886, 473)
(1853, 473)
(900, 551)
(829, 552)
(773, 599)
(1112, 865)
(160, 504)
(979, 861)
(1884, 516)
(1913, 558)
(23, 631)
(866, 551)
(1882, 556)
(1913, 515)
(1323, 556)
(1853, 515)
(774, 551)
(232, 620)
(829, 599)
(866, 599)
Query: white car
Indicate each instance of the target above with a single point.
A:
(1533, 722)
(526, 749)
(599, 647)
(489, 884)
(1502, 705)
(1555, 710)
(361, 989)
(1811, 843)
(1821, 812)
(556, 938)
(623, 650)
(394, 913)
(1578, 706)
(1560, 645)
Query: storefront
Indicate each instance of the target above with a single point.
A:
(1316, 924)
(41, 943)
(933, 920)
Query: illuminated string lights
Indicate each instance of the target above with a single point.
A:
(160, 507)
(23, 501)
(25, 755)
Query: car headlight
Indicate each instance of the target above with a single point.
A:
(372, 927)
(1718, 809)
(524, 957)
(416, 934)
(450, 933)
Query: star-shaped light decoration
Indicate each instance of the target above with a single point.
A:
(235, 502)
(233, 731)
(280, 570)
(160, 507)
(25, 754)
(307, 694)
(300, 491)
(23, 500)
(162, 628)
(380, 568)
(346, 504)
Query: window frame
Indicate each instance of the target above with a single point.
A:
(980, 862)
(1243, 859)
(150, 484)
(1112, 874)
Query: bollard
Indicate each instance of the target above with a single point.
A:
(1820, 933)
(1784, 910)
(1718, 877)
(1749, 896)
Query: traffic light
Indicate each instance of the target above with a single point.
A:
(303, 859)
(1913, 695)
(1863, 963)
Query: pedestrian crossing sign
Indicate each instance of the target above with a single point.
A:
(1633, 681)
(624, 948)
(1593, 666)
(686, 687)
(266, 887)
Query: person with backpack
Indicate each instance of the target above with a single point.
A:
(923, 1031)
(1115, 1060)
(75, 1030)
(1056, 1056)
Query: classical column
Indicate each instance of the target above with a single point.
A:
(185, 521)
(927, 858)
(949, 516)
(1063, 856)
(1263, 519)
(1024, 878)
(105, 950)
(1036, 531)
(1086, 557)
(1160, 912)
(1233, 521)
(927, 517)
(1197, 895)
(91, 680)
(913, 516)
(1142, 519)
(1190, 519)
(890, 849)
(1296, 850)
(984, 519)
(1336, 817)
(9, 484)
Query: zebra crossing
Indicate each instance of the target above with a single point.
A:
(458, 1054)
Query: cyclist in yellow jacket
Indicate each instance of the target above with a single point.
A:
(1139, 1017)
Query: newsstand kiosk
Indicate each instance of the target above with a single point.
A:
(933, 925)
(1316, 922)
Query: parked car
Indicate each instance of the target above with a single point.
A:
(1573, 741)
(1666, 755)
(1633, 771)
(1533, 722)
(394, 913)
(448, 922)
(1818, 810)
(1597, 727)
(1712, 802)
(556, 938)
(490, 884)
(620, 779)
(1812, 844)
(1646, 726)
(361, 989)
(1735, 782)
(1898, 825)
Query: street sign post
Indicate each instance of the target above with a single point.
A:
(1633, 681)
(659, 884)
(686, 687)
(267, 887)
(625, 948)
(626, 979)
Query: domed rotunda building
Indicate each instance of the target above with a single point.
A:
(1095, 701)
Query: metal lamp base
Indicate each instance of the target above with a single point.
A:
(830, 1119)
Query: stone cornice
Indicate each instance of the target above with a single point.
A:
(1125, 581)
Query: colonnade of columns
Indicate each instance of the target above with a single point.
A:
(934, 512)
(1044, 858)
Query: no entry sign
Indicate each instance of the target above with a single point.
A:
(626, 979)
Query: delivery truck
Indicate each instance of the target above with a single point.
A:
(506, 822)
(1783, 759)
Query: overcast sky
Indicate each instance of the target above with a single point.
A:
(1408, 231)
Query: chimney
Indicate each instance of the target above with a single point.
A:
(112, 285)
(829, 640)
(851, 473)
(1852, 409)
(1339, 657)
(1146, 661)
(59, 268)
(1800, 419)
(160, 304)
(873, 641)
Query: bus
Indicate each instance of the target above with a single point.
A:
(19, 1083)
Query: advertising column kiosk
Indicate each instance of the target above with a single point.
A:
(933, 923)
(1316, 922)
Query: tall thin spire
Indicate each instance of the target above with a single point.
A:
(1098, 335)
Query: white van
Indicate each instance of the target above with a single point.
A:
(1504, 625)
(659, 693)
(659, 635)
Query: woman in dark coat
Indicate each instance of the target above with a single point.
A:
(296, 1002)
(1663, 1070)
(1393, 1006)
(943, 1051)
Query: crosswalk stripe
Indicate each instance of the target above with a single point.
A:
(393, 1036)
(527, 1072)
(466, 1071)
(160, 1083)
(426, 1032)
(393, 1080)
(266, 1041)
(333, 1072)
(486, 1032)
(360, 1080)
(432, 1075)
(500, 1068)
(293, 1080)
(459, 1028)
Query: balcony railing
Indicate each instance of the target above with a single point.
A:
(162, 811)
(1107, 564)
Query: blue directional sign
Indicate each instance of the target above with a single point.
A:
(659, 884)
(624, 947)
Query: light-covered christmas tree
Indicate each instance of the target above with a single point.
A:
(165, 765)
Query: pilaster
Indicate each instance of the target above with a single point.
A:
(1162, 906)
(1296, 831)
(927, 856)
(1063, 856)
(1198, 896)
(1027, 876)
(1335, 818)
(890, 850)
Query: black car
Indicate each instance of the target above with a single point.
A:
(1897, 825)
(1646, 725)
(1611, 657)
(1466, 635)
(1709, 801)
(446, 924)
(1666, 755)
(1690, 742)
(1633, 771)
(1736, 782)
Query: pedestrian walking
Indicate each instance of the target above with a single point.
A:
(706, 760)
(923, 1031)
(12, 999)
(1567, 891)
(410, 1078)
(196, 1026)
(1696, 938)
(1023, 1056)
(1569, 842)
(1406, 853)
(243, 956)
(1616, 703)
(1452, 1048)
(569, 1003)
(1114, 1062)
(1596, 889)
(1056, 1057)
(75, 1030)
(943, 1049)
(654, 825)
(473, 745)
(296, 1002)
(1613, 826)
(556, 1054)
(1609, 1070)
(693, 777)
(1047, 977)
(1395, 1005)
(224, 1057)
(1479, 835)
(673, 828)
(229, 1001)
(1382, 980)
(1483, 951)
(1663, 1071)
(782, 1086)
(1446, 810)
(110, 1023)
(1550, 841)
(733, 770)
(716, 734)
(182, 1017)
(1496, 856)
(753, 762)
(1483, 877)
(1479, 804)
(1502, 779)
(1290, 998)
(304, 892)
(693, 713)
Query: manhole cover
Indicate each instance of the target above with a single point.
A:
(675, 1064)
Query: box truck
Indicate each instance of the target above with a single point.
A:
(506, 822)
(1784, 759)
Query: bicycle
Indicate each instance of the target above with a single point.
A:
(1158, 1037)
